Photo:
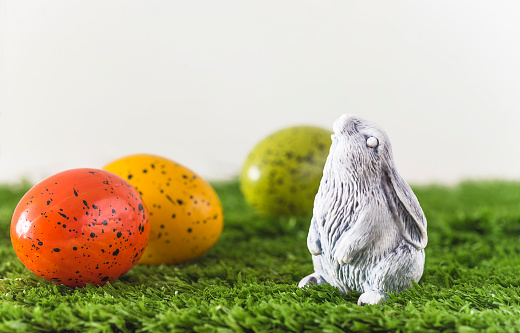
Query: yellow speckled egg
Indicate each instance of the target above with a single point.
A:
(186, 217)
(282, 173)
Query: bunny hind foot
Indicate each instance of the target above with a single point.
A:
(314, 278)
(371, 297)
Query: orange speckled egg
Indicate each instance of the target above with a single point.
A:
(186, 217)
(80, 226)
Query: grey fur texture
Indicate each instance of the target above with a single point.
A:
(368, 231)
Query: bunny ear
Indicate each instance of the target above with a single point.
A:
(405, 209)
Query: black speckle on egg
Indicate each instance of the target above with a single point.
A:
(56, 250)
(75, 248)
(119, 234)
(92, 234)
(115, 253)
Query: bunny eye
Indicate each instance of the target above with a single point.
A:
(372, 142)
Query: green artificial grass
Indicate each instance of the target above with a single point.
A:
(248, 281)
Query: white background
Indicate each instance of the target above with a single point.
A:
(201, 82)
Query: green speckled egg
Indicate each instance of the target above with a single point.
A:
(282, 173)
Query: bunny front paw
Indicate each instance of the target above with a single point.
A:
(346, 254)
(347, 250)
(343, 257)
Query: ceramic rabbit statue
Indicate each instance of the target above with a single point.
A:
(368, 231)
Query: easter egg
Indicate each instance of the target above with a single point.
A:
(282, 173)
(186, 217)
(80, 226)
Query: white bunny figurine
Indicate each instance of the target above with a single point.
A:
(368, 231)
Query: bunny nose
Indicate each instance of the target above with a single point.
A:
(346, 124)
